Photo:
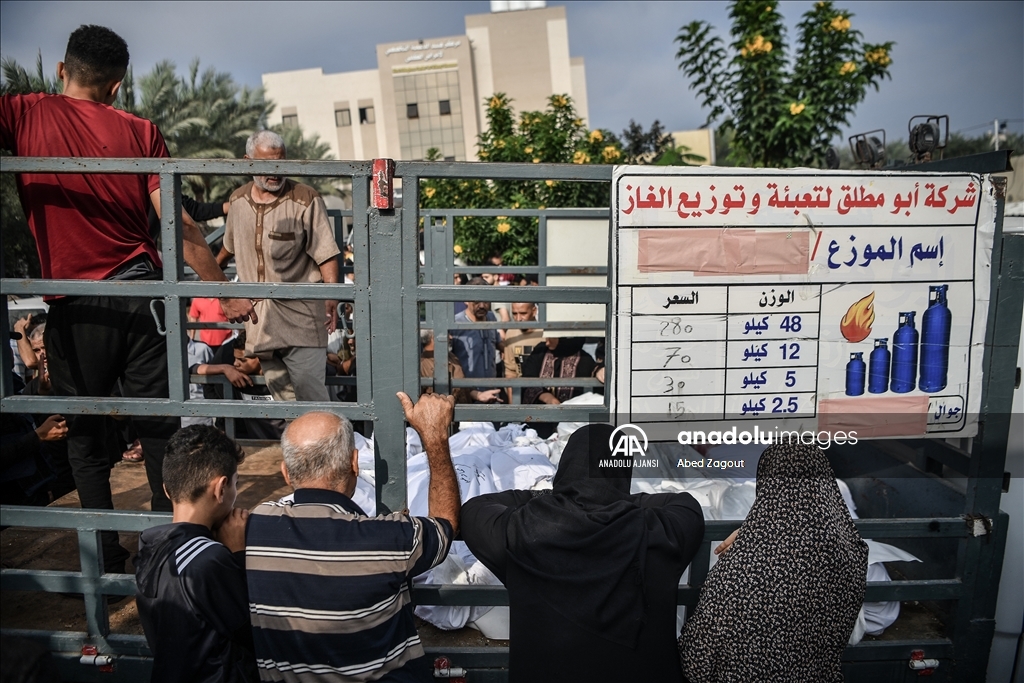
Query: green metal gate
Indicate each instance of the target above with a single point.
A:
(962, 531)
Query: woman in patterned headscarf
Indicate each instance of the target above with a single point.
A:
(782, 600)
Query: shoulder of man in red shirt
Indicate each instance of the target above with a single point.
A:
(41, 124)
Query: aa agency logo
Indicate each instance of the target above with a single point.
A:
(628, 443)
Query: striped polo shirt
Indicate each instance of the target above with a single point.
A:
(329, 589)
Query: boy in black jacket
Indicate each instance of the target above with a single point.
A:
(192, 596)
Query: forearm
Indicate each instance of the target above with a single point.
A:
(443, 499)
(203, 211)
(329, 270)
(194, 249)
(28, 356)
(223, 257)
(197, 254)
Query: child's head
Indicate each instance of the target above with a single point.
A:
(201, 461)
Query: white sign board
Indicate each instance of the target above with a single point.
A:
(800, 299)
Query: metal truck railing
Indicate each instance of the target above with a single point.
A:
(386, 297)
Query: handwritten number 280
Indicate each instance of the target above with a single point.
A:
(673, 326)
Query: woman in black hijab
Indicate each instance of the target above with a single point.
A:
(782, 600)
(592, 572)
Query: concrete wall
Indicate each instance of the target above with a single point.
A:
(524, 54)
(314, 96)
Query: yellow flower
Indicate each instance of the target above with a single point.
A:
(577, 122)
(536, 160)
(549, 183)
(755, 46)
(878, 56)
(495, 102)
(768, 8)
(528, 150)
(515, 205)
(559, 101)
(796, 108)
(595, 136)
(580, 157)
(500, 144)
(504, 227)
(541, 207)
(610, 154)
(820, 5)
(429, 192)
(483, 154)
(458, 248)
(840, 23)
(847, 68)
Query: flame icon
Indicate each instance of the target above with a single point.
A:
(856, 324)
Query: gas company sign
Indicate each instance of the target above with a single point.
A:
(852, 301)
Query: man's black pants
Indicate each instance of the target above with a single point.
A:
(91, 342)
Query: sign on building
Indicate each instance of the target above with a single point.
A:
(800, 300)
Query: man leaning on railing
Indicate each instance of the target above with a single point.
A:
(95, 227)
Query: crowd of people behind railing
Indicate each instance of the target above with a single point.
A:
(310, 588)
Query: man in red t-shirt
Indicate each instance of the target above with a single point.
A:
(95, 227)
(209, 311)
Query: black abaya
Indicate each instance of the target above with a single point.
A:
(591, 570)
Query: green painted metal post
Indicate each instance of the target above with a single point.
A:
(90, 552)
(174, 313)
(982, 556)
(386, 347)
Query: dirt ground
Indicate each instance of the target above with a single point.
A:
(259, 480)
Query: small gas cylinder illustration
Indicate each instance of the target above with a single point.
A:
(878, 367)
(935, 326)
(856, 371)
(904, 355)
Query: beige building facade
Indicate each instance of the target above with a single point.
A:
(432, 93)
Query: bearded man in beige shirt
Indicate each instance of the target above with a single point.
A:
(278, 231)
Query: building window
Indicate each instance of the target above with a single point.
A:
(290, 121)
(449, 158)
(445, 106)
(366, 115)
(342, 118)
(412, 111)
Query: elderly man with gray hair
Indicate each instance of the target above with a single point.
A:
(328, 586)
(278, 231)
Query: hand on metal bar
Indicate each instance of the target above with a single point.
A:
(239, 310)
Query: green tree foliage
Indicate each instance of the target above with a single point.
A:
(201, 116)
(784, 110)
(655, 147)
(960, 145)
(555, 135)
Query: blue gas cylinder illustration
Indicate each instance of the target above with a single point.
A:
(878, 367)
(904, 355)
(856, 371)
(935, 325)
